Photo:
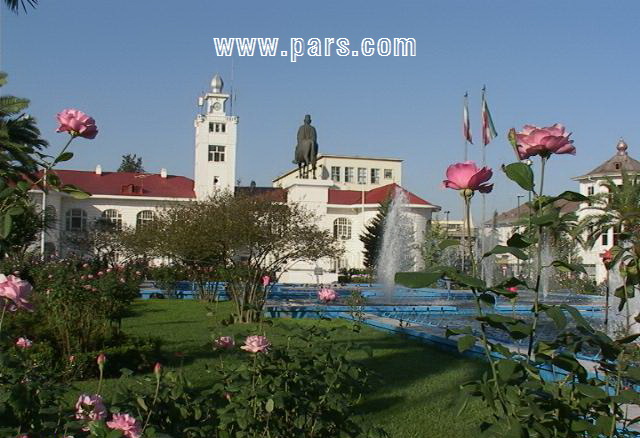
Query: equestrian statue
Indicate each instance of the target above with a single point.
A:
(306, 149)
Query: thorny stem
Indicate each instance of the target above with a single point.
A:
(153, 404)
(4, 310)
(536, 302)
(485, 342)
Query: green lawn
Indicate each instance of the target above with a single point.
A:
(419, 383)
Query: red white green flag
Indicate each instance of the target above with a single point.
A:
(466, 128)
(488, 130)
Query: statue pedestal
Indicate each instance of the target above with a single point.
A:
(312, 194)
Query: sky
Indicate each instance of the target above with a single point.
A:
(138, 67)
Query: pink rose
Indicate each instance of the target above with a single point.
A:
(157, 369)
(533, 140)
(129, 426)
(266, 280)
(224, 342)
(512, 289)
(16, 290)
(90, 408)
(101, 359)
(327, 295)
(467, 175)
(24, 343)
(76, 123)
(256, 344)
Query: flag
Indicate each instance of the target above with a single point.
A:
(488, 130)
(466, 128)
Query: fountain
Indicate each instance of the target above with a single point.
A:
(396, 252)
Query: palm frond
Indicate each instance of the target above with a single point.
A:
(15, 5)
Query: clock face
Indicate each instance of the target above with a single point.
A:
(217, 106)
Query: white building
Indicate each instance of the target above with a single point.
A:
(588, 184)
(345, 196)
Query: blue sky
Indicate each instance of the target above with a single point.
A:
(138, 66)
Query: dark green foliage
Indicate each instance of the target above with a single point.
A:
(372, 236)
(308, 391)
(131, 163)
(15, 5)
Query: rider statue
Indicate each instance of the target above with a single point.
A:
(306, 149)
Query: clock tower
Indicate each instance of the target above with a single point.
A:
(216, 138)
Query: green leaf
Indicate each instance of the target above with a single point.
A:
(557, 316)
(572, 196)
(447, 243)
(466, 342)
(269, 405)
(590, 391)
(74, 191)
(545, 219)
(568, 267)
(521, 174)
(7, 223)
(415, 280)
(142, 404)
(506, 368)
(65, 156)
(468, 280)
(53, 179)
(518, 241)
(500, 249)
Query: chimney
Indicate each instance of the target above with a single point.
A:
(98, 170)
(163, 173)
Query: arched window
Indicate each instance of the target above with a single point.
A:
(342, 228)
(144, 217)
(113, 216)
(76, 220)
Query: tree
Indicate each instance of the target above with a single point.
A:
(242, 238)
(372, 236)
(102, 240)
(432, 252)
(26, 231)
(131, 163)
(15, 5)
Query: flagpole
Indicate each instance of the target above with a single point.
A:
(483, 273)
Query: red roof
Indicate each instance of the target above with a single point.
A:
(373, 196)
(129, 184)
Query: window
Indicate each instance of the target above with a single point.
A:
(216, 153)
(114, 217)
(217, 127)
(76, 220)
(590, 190)
(617, 166)
(335, 173)
(362, 175)
(145, 217)
(375, 176)
(348, 174)
(338, 265)
(388, 174)
(342, 228)
(605, 238)
(616, 234)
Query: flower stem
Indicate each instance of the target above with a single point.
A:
(4, 310)
(153, 403)
(536, 302)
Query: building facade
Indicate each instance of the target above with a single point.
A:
(589, 184)
(345, 196)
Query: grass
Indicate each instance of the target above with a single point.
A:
(418, 386)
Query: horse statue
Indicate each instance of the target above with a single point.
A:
(306, 151)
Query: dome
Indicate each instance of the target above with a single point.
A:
(622, 147)
(216, 84)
